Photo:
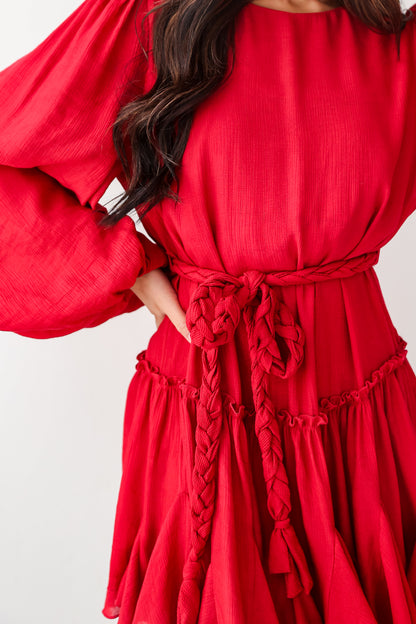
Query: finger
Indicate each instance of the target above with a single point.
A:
(156, 283)
(182, 328)
(178, 317)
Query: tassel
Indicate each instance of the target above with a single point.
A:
(286, 556)
(279, 559)
(189, 601)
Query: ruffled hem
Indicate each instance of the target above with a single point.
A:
(353, 506)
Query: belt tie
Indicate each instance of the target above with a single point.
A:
(276, 345)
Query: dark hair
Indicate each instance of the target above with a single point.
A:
(190, 43)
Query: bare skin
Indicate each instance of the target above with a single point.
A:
(159, 296)
(296, 6)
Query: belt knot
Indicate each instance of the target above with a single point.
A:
(251, 279)
(216, 308)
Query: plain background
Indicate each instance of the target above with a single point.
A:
(61, 416)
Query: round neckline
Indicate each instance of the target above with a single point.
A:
(270, 10)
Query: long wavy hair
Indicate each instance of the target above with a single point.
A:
(190, 44)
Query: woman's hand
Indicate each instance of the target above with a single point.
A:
(159, 296)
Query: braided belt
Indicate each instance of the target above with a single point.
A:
(215, 309)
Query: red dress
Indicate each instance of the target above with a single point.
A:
(269, 467)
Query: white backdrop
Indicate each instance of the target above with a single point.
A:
(62, 405)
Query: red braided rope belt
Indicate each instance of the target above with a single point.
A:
(214, 311)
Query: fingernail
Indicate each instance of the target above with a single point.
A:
(188, 337)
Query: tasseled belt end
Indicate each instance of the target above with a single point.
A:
(189, 599)
(287, 557)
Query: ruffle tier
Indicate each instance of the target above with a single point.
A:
(351, 469)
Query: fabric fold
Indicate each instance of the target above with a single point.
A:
(61, 271)
(361, 568)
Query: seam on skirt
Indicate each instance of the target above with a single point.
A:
(326, 404)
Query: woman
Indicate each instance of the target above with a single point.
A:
(268, 460)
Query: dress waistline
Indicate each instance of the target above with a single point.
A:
(276, 346)
(335, 269)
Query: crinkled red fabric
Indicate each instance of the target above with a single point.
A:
(60, 271)
(268, 468)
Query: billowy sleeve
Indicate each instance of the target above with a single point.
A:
(59, 270)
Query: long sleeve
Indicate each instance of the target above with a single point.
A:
(61, 271)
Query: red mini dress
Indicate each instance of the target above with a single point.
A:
(269, 466)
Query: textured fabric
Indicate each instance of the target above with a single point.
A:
(268, 468)
(60, 271)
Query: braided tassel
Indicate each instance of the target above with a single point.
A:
(285, 552)
(207, 435)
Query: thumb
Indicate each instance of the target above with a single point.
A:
(178, 317)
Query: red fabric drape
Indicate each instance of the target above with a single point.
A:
(60, 271)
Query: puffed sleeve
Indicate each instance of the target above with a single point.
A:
(59, 270)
